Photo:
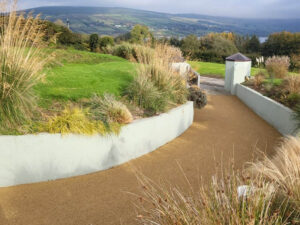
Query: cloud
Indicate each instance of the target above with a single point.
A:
(230, 8)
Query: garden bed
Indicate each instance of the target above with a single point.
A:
(43, 157)
(276, 90)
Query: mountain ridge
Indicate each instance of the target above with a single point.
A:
(118, 20)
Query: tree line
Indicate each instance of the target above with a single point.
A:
(213, 47)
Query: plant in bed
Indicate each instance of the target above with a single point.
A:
(21, 64)
(157, 87)
(110, 110)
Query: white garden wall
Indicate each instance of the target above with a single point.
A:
(271, 111)
(43, 157)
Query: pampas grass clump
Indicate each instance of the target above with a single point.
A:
(283, 169)
(20, 64)
(271, 195)
(165, 88)
(110, 110)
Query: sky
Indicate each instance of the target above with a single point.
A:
(228, 8)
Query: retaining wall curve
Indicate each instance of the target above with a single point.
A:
(43, 157)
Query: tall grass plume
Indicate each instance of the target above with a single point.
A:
(21, 64)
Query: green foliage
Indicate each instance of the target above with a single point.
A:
(110, 110)
(124, 50)
(296, 116)
(106, 41)
(198, 97)
(157, 86)
(293, 100)
(253, 45)
(295, 62)
(94, 42)
(283, 43)
(140, 34)
(61, 35)
(216, 48)
(145, 94)
(190, 46)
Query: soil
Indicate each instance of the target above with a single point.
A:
(225, 127)
(278, 93)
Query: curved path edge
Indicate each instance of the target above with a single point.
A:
(35, 158)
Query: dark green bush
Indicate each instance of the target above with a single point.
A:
(124, 50)
(198, 97)
(296, 116)
(293, 99)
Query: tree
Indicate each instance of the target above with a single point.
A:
(190, 45)
(175, 42)
(253, 45)
(106, 41)
(140, 34)
(215, 48)
(283, 43)
(94, 42)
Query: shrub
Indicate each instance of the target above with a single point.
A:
(293, 100)
(73, 120)
(293, 84)
(258, 79)
(146, 95)
(295, 62)
(198, 97)
(156, 75)
(296, 115)
(277, 66)
(20, 65)
(108, 109)
(215, 48)
(106, 41)
(94, 42)
(167, 81)
(124, 50)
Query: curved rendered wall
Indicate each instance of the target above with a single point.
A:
(43, 157)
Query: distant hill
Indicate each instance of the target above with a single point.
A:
(115, 21)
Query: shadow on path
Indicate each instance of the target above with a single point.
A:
(225, 127)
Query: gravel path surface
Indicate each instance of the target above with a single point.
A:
(223, 128)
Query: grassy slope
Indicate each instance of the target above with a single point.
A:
(76, 74)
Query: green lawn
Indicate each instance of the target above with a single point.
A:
(214, 69)
(75, 75)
